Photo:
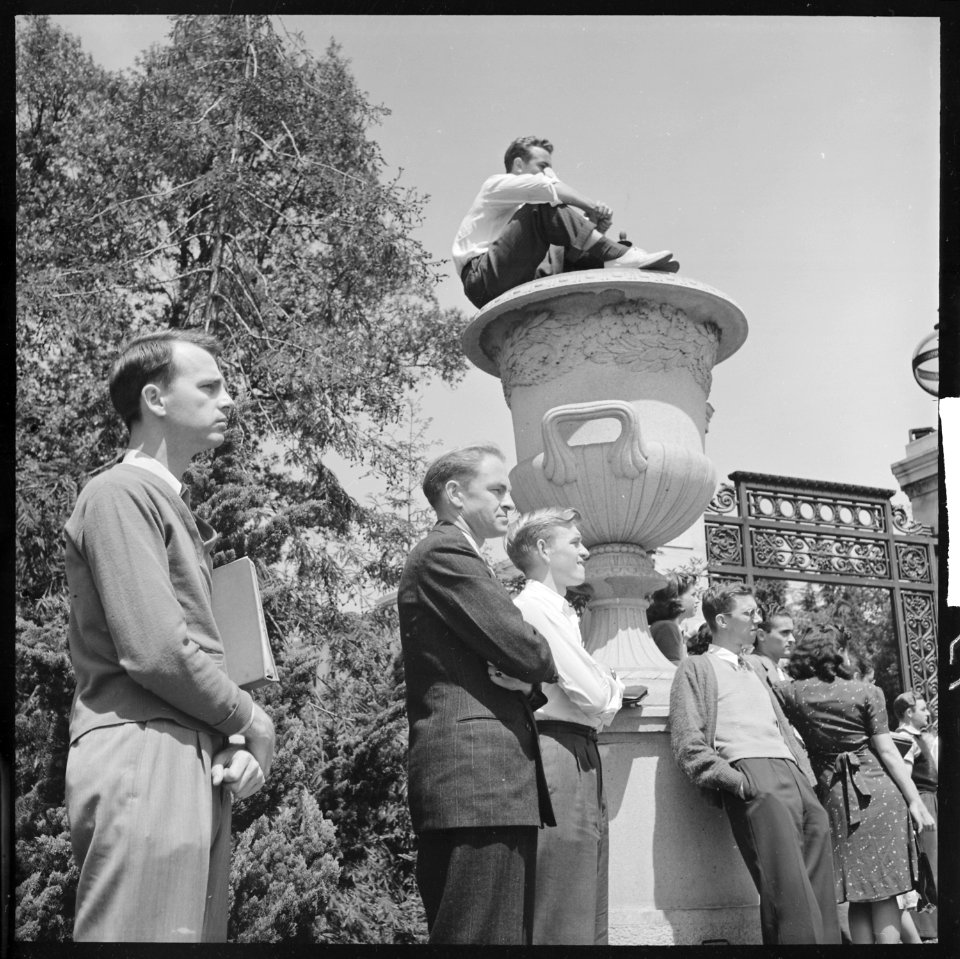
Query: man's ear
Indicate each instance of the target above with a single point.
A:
(517, 165)
(453, 492)
(152, 397)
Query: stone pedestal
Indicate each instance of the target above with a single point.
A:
(676, 875)
(918, 478)
(607, 374)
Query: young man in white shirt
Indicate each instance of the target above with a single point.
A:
(572, 858)
(920, 749)
(518, 215)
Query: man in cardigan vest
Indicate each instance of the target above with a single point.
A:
(160, 736)
(473, 668)
(921, 751)
(730, 737)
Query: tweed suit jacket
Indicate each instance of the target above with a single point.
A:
(474, 755)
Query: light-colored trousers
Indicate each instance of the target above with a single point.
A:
(572, 857)
(150, 834)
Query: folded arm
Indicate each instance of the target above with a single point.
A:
(544, 188)
(124, 547)
(456, 582)
(592, 688)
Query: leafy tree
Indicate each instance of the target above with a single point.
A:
(228, 183)
(865, 615)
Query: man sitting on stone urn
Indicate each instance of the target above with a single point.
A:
(505, 238)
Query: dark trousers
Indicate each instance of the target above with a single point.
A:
(477, 884)
(926, 922)
(573, 857)
(515, 256)
(783, 834)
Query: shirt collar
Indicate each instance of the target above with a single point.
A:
(548, 595)
(907, 727)
(462, 526)
(729, 656)
(151, 465)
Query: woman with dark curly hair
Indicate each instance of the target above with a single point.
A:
(861, 780)
(668, 606)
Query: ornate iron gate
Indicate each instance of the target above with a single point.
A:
(776, 527)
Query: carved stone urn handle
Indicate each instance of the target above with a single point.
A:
(627, 456)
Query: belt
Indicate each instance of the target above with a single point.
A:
(846, 768)
(560, 726)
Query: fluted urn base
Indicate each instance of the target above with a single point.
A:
(621, 576)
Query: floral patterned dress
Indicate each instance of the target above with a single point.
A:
(873, 851)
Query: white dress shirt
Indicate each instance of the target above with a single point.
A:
(727, 655)
(587, 693)
(499, 198)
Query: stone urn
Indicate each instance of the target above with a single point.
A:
(607, 374)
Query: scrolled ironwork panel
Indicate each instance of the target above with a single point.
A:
(819, 553)
(904, 523)
(919, 615)
(816, 509)
(913, 562)
(724, 500)
(724, 544)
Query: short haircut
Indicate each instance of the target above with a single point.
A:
(719, 599)
(458, 464)
(819, 652)
(771, 613)
(521, 148)
(528, 529)
(904, 703)
(665, 602)
(149, 359)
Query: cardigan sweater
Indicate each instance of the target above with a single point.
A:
(693, 727)
(143, 641)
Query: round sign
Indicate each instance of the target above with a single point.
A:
(926, 363)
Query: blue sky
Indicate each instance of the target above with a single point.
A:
(790, 162)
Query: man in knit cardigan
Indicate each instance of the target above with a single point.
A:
(160, 736)
(731, 739)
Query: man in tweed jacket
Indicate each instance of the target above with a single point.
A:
(473, 668)
(730, 737)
